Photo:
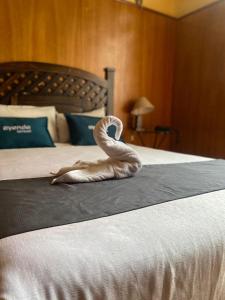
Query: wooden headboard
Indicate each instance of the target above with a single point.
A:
(68, 89)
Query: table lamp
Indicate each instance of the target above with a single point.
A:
(141, 107)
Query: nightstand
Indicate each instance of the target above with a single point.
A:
(160, 134)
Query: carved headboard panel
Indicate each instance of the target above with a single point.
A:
(68, 89)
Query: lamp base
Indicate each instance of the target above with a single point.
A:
(138, 123)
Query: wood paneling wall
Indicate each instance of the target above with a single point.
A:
(92, 34)
(199, 86)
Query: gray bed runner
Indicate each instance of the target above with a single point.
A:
(31, 204)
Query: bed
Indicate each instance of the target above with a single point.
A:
(174, 250)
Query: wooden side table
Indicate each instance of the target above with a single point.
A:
(160, 133)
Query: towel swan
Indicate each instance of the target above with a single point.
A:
(123, 161)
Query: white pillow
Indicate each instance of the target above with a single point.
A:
(26, 111)
(62, 126)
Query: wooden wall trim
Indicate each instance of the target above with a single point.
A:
(146, 8)
(167, 15)
(208, 6)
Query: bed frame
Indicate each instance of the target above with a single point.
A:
(43, 84)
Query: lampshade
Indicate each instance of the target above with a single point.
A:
(142, 106)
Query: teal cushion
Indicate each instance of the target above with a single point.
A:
(81, 129)
(24, 133)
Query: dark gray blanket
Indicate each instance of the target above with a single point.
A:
(31, 204)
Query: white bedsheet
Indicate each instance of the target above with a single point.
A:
(38, 162)
(174, 250)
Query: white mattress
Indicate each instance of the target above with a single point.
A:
(171, 251)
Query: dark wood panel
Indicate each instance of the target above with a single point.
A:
(92, 34)
(199, 87)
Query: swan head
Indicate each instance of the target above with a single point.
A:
(118, 124)
(105, 123)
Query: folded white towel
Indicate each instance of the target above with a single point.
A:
(123, 161)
